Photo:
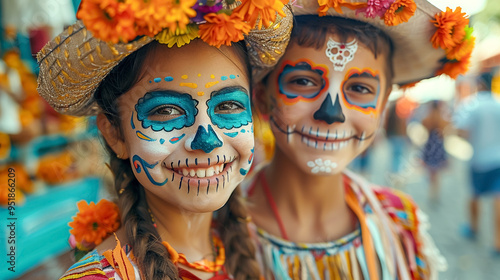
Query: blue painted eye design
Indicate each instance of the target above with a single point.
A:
(230, 108)
(166, 110)
(361, 87)
(301, 80)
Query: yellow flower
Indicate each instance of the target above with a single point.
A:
(179, 13)
(179, 37)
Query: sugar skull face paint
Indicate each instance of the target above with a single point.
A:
(340, 53)
(166, 110)
(239, 101)
(361, 89)
(338, 112)
(293, 77)
(186, 149)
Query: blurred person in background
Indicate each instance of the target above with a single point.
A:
(478, 120)
(395, 129)
(433, 155)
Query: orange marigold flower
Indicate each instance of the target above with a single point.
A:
(400, 11)
(454, 68)
(94, 222)
(325, 5)
(451, 28)
(250, 10)
(108, 20)
(223, 29)
(150, 15)
(461, 50)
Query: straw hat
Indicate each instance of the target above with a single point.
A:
(427, 41)
(75, 62)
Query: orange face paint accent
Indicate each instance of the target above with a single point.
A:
(210, 84)
(292, 100)
(357, 71)
(189, 85)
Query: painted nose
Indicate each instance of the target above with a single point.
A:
(206, 140)
(330, 113)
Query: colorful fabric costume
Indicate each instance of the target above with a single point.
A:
(392, 233)
(118, 264)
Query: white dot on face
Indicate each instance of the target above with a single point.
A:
(333, 165)
(319, 161)
(322, 169)
(311, 164)
(328, 162)
(328, 170)
(315, 169)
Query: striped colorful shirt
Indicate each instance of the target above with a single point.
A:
(391, 242)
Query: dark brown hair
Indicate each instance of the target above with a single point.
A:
(312, 31)
(151, 256)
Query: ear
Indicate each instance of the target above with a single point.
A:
(112, 136)
(261, 100)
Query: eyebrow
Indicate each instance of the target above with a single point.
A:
(365, 75)
(167, 91)
(228, 89)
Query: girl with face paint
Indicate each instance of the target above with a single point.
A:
(312, 218)
(178, 127)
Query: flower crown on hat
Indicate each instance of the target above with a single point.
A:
(177, 22)
(453, 33)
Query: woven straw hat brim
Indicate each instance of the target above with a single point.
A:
(72, 66)
(74, 63)
(414, 56)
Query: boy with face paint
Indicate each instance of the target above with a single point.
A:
(312, 218)
(178, 130)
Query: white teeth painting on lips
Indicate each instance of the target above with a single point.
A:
(325, 145)
(201, 172)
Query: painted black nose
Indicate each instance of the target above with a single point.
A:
(330, 113)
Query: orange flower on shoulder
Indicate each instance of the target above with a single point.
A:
(325, 5)
(108, 20)
(451, 28)
(94, 222)
(223, 29)
(400, 11)
(265, 10)
(454, 68)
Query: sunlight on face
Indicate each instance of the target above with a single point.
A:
(188, 125)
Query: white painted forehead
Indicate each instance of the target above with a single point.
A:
(340, 53)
